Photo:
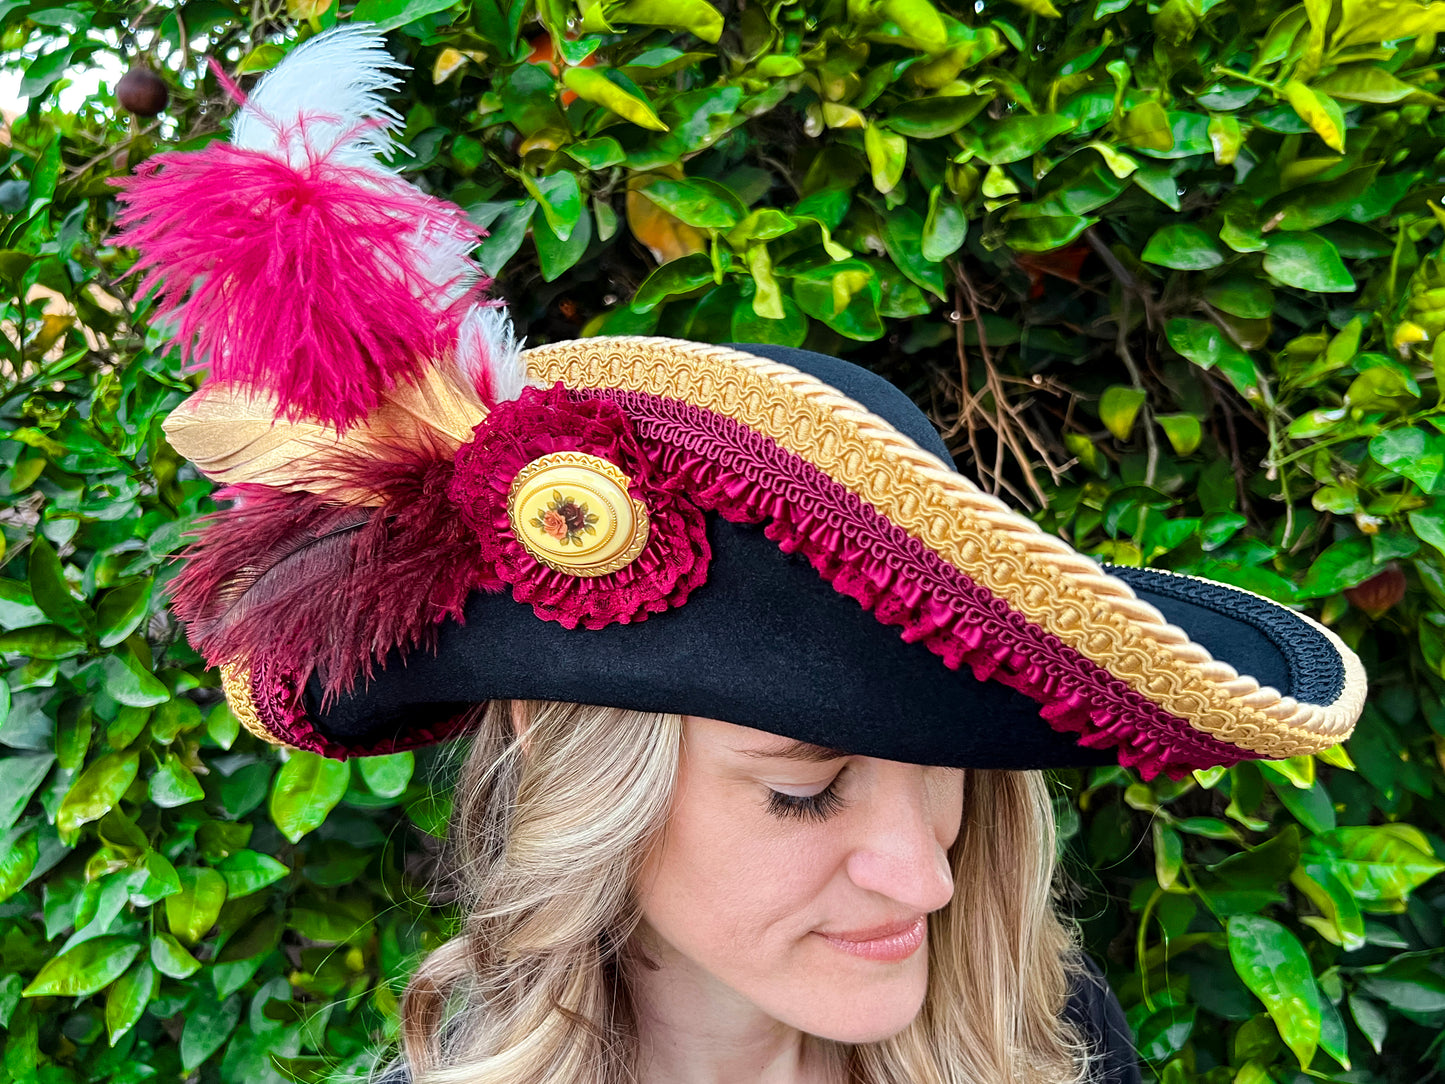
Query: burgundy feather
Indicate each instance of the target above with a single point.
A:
(318, 586)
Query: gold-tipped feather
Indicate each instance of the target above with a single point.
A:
(232, 434)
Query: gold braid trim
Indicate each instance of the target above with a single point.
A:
(236, 682)
(1036, 573)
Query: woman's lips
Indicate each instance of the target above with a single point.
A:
(889, 943)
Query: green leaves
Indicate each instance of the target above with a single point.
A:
(1341, 565)
(97, 790)
(246, 872)
(88, 967)
(390, 14)
(704, 204)
(19, 851)
(1306, 261)
(193, 910)
(387, 776)
(1183, 247)
(206, 1028)
(945, 228)
(1415, 453)
(174, 784)
(121, 611)
(1239, 201)
(844, 296)
(52, 594)
(1014, 138)
(1380, 866)
(1207, 346)
(127, 998)
(696, 16)
(1273, 964)
(307, 788)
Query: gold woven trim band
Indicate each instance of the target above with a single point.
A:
(1036, 573)
(236, 683)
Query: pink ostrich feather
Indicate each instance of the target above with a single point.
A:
(309, 280)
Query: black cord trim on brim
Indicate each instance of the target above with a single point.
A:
(1316, 671)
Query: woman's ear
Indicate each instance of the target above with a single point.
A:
(521, 721)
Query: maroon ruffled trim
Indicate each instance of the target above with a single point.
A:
(671, 565)
(746, 477)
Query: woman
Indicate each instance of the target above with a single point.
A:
(805, 838)
(773, 932)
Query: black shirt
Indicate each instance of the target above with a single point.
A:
(1092, 1008)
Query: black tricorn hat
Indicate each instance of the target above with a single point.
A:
(809, 564)
(763, 535)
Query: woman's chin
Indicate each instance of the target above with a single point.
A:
(857, 1004)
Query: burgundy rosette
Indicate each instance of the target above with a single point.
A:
(541, 422)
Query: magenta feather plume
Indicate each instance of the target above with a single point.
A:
(315, 282)
(318, 586)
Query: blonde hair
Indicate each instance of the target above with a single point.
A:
(546, 842)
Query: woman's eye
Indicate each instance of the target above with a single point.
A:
(818, 807)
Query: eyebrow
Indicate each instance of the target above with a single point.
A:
(796, 750)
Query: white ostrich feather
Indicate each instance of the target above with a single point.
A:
(442, 255)
(325, 99)
(487, 344)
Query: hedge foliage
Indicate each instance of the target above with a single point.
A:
(1169, 275)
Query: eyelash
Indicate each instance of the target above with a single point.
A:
(817, 807)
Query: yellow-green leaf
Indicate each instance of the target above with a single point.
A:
(1272, 963)
(920, 20)
(170, 957)
(1368, 83)
(1369, 22)
(307, 788)
(81, 971)
(1226, 137)
(19, 851)
(767, 298)
(997, 183)
(697, 16)
(97, 790)
(1183, 431)
(308, 9)
(127, 999)
(1147, 126)
(593, 86)
(1118, 407)
(1119, 163)
(1039, 7)
(193, 910)
(1319, 111)
(887, 155)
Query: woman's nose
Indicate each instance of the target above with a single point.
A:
(901, 855)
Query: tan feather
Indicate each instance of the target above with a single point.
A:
(232, 433)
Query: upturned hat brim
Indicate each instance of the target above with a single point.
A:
(862, 595)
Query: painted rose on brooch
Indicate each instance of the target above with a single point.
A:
(566, 520)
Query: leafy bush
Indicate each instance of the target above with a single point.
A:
(1170, 275)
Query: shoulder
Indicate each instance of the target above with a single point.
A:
(1094, 1010)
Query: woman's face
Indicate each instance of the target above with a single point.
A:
(797, 881)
